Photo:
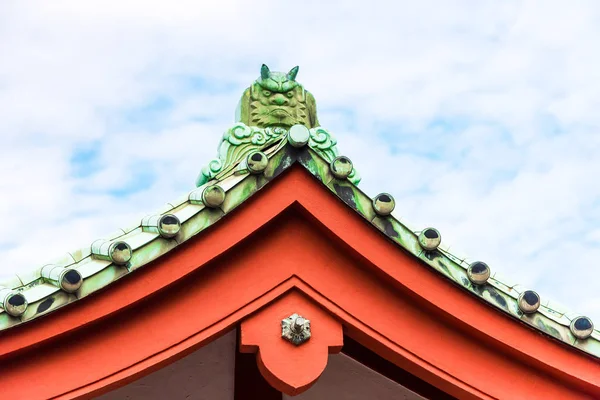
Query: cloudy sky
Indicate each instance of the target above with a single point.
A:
(480, 117)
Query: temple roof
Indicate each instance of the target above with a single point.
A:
(250, 157)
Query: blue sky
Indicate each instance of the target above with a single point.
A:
(480, 117)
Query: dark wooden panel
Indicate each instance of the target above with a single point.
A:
(368, 358)
(249, 383)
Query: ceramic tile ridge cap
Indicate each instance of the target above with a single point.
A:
(239, 185)
(88, 264)
(554, 310)
(494, 289)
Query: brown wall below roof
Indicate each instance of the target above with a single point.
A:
(347, 379)
(206, 374)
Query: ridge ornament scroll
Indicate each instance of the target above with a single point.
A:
(267, 110)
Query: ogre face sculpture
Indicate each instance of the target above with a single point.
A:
(276, 99)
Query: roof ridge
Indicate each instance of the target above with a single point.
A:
(106, 260)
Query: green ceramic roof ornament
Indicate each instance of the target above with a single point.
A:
(276, 99)
(273, 104)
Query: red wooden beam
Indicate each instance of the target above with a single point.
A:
(292, 234)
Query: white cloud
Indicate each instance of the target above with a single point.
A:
(513, 184)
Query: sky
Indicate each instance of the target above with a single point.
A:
(480, 117)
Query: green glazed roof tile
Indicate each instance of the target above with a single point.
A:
(40, 291)
(239, 185)
(316, 166)
(558, 308)
(138, 238)
(91, 266)
(150, 251)
(101, 279)
(406, 223)
(28, 277)
(498, 284)
(195, 196)
(554, 315)
(47, 304)
(393, 229)
(237, 194)
(507, 284)
(352, 196)
(232, 180)
(128, 229)
(6, 321)
(187, 212)
(80, 254)
(199, 222)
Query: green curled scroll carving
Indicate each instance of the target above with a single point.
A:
(239, 141)
(324, 144)
(268, 108)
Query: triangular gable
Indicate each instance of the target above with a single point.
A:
(181, 259)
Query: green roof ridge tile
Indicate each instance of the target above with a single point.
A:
(230, 171)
